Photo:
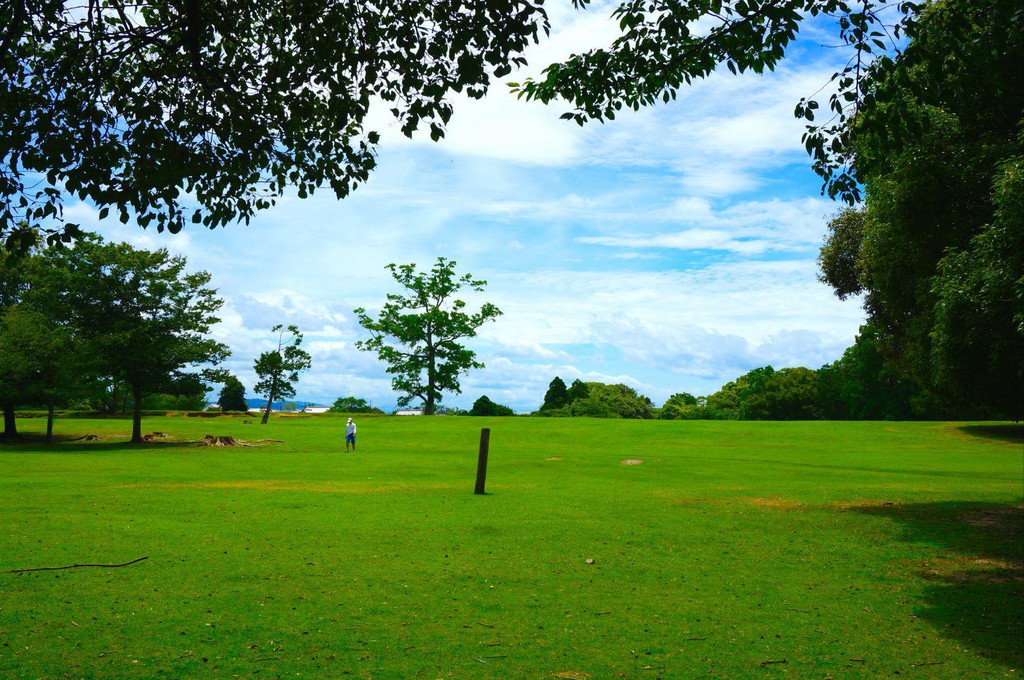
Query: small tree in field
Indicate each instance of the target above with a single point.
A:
(418, 334)
(278, 370)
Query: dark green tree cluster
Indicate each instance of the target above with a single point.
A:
(102, 318)
(485, 407)
(767, 394)
(594, 400)
(937, 249)
(232, 395)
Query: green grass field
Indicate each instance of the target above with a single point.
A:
(739, 550)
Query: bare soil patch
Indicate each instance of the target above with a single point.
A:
(777, 503)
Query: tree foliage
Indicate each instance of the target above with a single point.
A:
(205, 112)
(597, 400)
(665, 45)
(419, 334)
(557, 395)
(232, 395)
(278, 369)
(353, 405)
(144, 318)
(937, 247)
(864, 385)
(485, 407)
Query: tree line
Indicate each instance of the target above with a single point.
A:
(861, 385)
(112, 328)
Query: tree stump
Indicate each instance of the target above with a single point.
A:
(214, 440)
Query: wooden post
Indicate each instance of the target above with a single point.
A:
(481, 463)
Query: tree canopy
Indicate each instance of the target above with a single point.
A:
(195, 112)
(937, 249)
(665, 45)
(419, 334)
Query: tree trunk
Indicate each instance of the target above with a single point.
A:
(428, 403)
(137, 416)
(49, 421)
(270, 400)
(10, 427)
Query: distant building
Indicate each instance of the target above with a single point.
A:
(315, 409)
(409, 412)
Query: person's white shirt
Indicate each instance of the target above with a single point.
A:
(350, 428)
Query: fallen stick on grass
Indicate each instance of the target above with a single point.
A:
(76, 566)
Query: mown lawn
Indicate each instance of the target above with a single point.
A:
(739, 550)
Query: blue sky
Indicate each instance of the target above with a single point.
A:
(672, 249)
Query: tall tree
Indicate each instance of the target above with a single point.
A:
(43, 357)
(15, 271)
(278, 370)
(937, 247)
(418, 334)
(232, 395)
(150, 109)
(557, 395)
(144, 317)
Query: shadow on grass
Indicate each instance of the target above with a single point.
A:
(976, 593)
(71, 444)
(1005, 433)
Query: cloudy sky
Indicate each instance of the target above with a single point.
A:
(671, 250)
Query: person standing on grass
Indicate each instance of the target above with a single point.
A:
(350, 435)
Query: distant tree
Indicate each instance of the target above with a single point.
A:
(612, 401)
(485, 407)
(351, 405)
(678, 407)
(578, 390)
(557, 395)
(185, 393)
(682, 399)
(143, 317)
(205, 112)
(232, 395)
(418, 334)
(278, 370)
(442, 410)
